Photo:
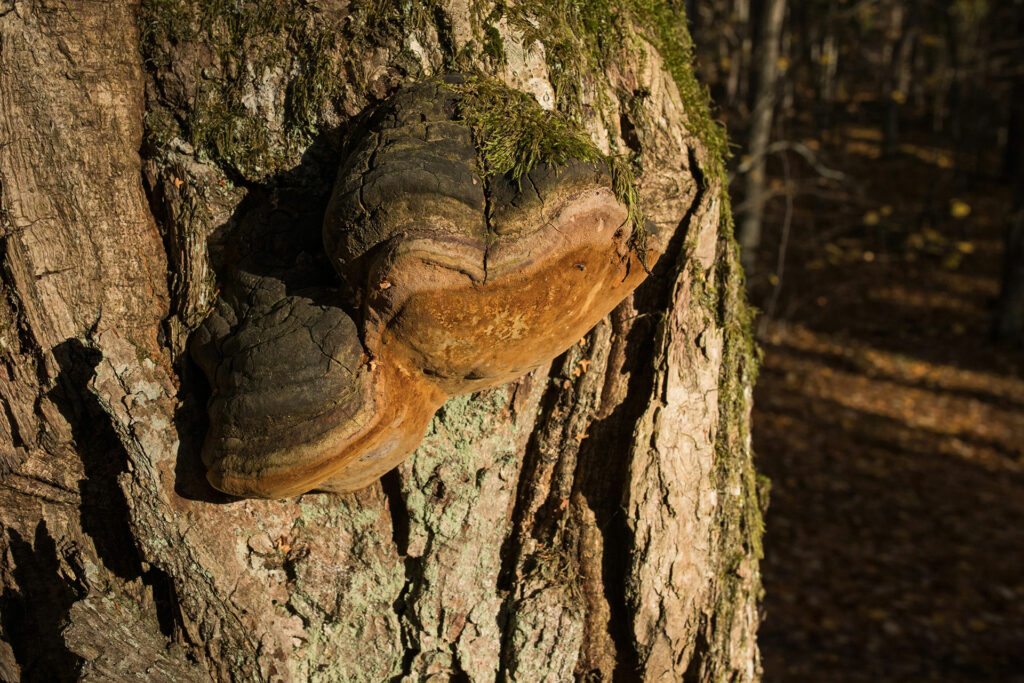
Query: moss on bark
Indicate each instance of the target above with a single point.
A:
(297, 71)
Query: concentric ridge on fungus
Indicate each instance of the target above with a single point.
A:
(467, 279)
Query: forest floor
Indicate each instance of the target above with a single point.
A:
(891, 428)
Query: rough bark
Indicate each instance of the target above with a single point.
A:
(596, 519)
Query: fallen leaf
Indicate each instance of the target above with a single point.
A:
(959, 208)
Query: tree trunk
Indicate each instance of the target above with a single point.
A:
(767, 61)
(739, 68)
(597, 519)
(900, 49)
(1009, 317)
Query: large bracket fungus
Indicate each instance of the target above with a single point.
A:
(464, 279)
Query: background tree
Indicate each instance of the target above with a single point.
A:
(767, 69)
(886, 209)
(948, 69)
(599, 518)
(1009, 326)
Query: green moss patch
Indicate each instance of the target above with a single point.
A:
(514, 135)
(742, 492)
(230, 47)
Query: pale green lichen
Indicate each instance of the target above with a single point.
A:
(362, 641)
(580, 38)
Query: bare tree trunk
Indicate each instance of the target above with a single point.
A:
(828, 71)
(596, 519)
(739, 67)
(900, 50)
(767, 61)
(1009, 319)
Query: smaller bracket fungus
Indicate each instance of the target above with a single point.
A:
(467, 278)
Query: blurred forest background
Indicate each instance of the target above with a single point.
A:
(878, 177)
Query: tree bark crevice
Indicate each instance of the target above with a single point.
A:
(567, 525)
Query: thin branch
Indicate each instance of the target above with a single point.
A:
(803, 150)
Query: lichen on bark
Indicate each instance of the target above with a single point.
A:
(597, 520)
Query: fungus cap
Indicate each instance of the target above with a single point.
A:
(466, 282)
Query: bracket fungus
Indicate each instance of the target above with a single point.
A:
(466, 277)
